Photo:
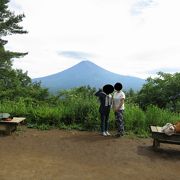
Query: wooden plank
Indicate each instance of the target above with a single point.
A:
(156, 129)
(153, 129)
(14, 120)
(160, 137)
(17, 119)
(170, 142)
(9, 126)
(159, 129)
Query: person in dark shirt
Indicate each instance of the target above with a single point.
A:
(105, 106)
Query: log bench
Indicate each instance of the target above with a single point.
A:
(9, 126)
(160, 137)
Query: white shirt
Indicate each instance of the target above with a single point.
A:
(108, 100)
(117, 99)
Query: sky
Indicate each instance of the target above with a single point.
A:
(129, 37)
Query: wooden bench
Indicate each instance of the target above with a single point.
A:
(160, 137)
(9, 126)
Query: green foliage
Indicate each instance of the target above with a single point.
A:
(134, 118)
(74, 110)
(14, 84)
(40, 126)
(159, 117)
(131, 96)
(9, 22)
(80, 107)
(71, 126)
(158, 91)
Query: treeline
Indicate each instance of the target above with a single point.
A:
(162, 91)
(78, 109)
(156, 103)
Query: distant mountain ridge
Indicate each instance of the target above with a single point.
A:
(87, 73)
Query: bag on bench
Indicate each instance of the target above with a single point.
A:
(177, 127)
(5, 116)
(168, 129)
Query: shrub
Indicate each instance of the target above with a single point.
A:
(134, 118)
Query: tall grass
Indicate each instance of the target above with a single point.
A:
(134, 118)
(83, 113)
(157, 116)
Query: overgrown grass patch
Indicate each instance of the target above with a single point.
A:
(84, 115)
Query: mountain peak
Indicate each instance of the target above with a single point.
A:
(87, 73)
(86, 65)
(86, 62)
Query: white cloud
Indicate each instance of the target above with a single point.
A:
(118, 39)
(140, 6)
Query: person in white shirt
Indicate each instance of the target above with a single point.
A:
(118, 107)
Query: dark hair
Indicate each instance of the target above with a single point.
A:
(108, 88)
(118, 86)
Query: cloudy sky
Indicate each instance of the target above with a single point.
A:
(128, 37)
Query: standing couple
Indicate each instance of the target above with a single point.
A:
(116, 101)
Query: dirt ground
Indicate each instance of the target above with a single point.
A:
(74, 155)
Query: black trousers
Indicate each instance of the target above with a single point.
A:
(105, 120)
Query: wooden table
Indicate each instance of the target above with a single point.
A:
(160, 137)
(9, 126)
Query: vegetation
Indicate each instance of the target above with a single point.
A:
(78, 108)
(160, 91)
(14, 83)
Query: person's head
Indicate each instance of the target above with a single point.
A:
(118, 86)
(108, 88)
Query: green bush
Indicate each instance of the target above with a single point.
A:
(134, 118)
(159, 117)
(77, 111)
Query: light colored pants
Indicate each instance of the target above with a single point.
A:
(119, 121)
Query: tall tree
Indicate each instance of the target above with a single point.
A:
(158, 91)
(14, 83)
(9, 24)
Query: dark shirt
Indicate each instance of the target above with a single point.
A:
(102, 98)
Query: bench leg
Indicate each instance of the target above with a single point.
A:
(156, 144)
(10, 128)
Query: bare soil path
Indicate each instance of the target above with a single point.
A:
(74, 155)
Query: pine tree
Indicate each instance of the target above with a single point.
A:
(8, 26)
(13, 82)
